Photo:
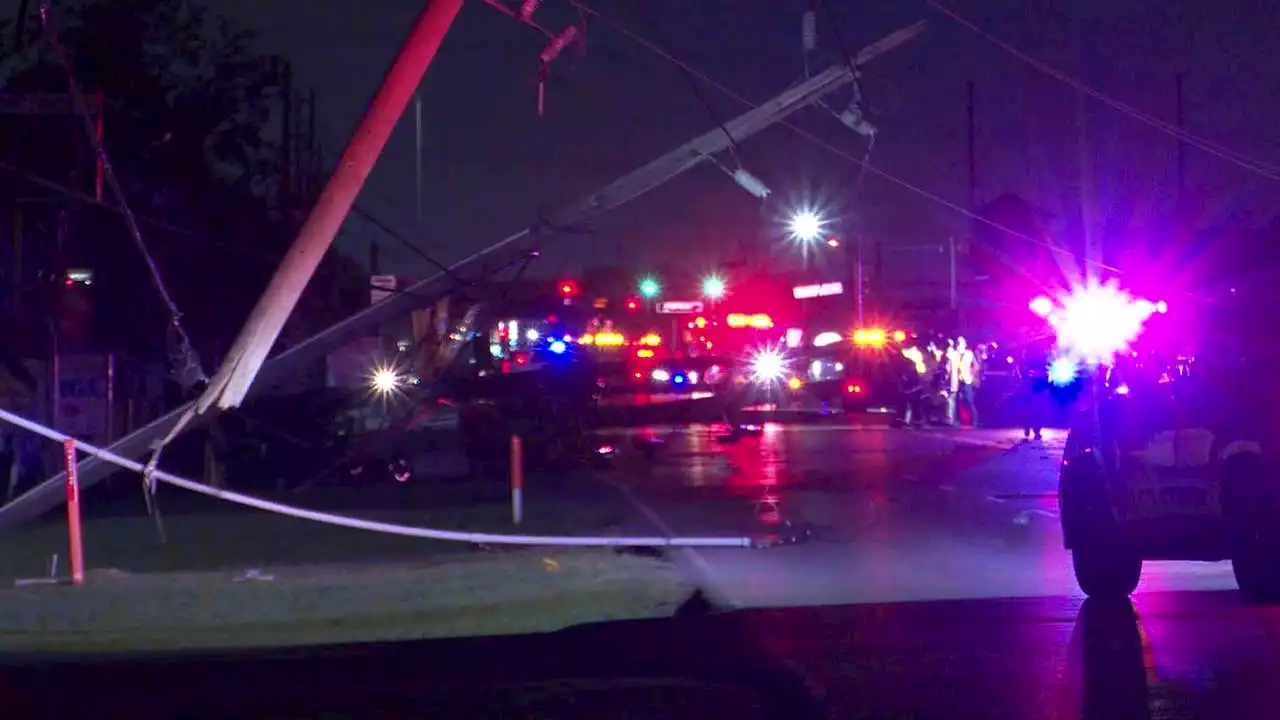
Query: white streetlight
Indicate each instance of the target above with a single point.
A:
(385, 381)
(805, 226)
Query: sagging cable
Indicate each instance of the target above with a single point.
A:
(185, 363)
(426, 533)
(189, 367)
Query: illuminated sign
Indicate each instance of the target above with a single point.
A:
(679, 307)
(804, 292)
(381, 287)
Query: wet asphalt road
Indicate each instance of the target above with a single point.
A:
(895, 515)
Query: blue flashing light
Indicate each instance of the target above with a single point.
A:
(1063, 371)
(677, 379)
(558, 347)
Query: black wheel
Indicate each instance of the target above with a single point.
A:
(1106, 572)
(1250, 509)
(1257, 573)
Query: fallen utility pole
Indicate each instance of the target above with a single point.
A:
(229, 386)
(50, 493)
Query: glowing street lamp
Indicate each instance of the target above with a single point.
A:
(385, 381)
(650, 288)
(713, 287)
(805, 226)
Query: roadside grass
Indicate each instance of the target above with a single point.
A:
(249, 538)
(451, 596)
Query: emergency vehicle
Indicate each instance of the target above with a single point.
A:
(1171, 450)
(854, 370)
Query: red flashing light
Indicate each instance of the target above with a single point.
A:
(633, 304)
(568, 288)
(520, 358)
(759, 321)
(853, 389)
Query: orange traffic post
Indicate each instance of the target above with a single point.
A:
(73, 512)
(517, 480)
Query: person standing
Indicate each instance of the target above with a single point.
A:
(962, 368)
(913, 376)
(1033, 373)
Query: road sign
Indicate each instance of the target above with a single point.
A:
(381, 287)
(804, 292)
(679, 307)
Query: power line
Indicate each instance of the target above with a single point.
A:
(1260, 167)
(40, 181)
(697, 91)
(391, 232)
(405, 242)
(857, 90)
(190, 372)
(641, 40)
(47, 184)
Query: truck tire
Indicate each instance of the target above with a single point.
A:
(1250, 508)
(1105, 565)
(1257, 573)
(1105, 571)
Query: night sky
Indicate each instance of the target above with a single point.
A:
(491, 163)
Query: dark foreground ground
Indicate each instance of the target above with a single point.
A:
(1167, 656)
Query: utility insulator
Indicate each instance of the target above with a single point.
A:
(751, 183)
(558, 44)
(853, 118)
(809, 31)
(527, 9)
(545, 58)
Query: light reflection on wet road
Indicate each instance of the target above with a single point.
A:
(896, 515)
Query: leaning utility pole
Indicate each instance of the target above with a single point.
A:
(48, 494)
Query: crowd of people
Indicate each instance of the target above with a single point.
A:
(941, 380)
(941, 383)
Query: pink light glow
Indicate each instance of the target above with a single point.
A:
(1097, 321)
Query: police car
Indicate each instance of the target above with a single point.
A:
(1170, 456)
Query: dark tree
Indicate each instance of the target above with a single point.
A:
(189, 124)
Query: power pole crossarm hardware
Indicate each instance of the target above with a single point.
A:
(48, 494)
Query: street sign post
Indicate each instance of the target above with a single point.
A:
(679, 307)
(804, 292)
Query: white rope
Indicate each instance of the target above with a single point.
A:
(371, 525)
